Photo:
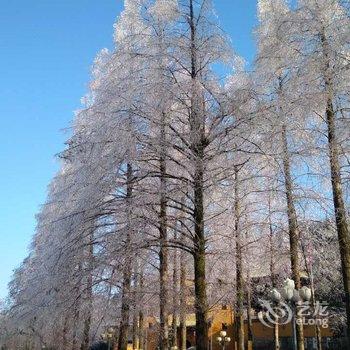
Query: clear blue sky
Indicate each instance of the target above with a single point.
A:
(47, 47)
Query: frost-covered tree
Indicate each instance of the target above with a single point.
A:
(275, 69)
(323, 59)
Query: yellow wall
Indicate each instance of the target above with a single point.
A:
(217, 317)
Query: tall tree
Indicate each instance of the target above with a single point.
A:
(321, 39)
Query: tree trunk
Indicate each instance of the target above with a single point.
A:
(87, 321)
(175, 295)
(309, 269)
(141, 328)
(200, 260)
(135, 330)
(142, 338)
(293, 231)
(163, 239)
(239, 269)
(127, 269)
(338, 196)
(201, 299)
(76, 319)
(197, 148)
(317, 326)
(249, 312)
(339, 208)
(76, 312)
(89, 304)
(183, 298)
(136, 306)
(125, 311)
(272, 248)
(273, 275)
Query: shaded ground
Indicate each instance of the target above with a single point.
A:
(99, 346)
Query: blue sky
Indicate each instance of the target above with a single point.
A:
(47, 47)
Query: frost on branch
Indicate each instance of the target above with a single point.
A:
(166, 10)
(129, 22)
(100, 67)
(267, 8)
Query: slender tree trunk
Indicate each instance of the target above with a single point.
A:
(272, 248)
(142, 338)
(199, 264)
(89, 304)
(175, 295)
(135, 330)
(293, 231)
(200, 261)
(87, 322)
(273, 275)
(317, 326)
(183, 297)
(309, 270)
(125, 311)
(340, 210)
(197, 148)
(338, 196)
(76, 319)
(77, 313)
(201, 299)
(127, 269)
(136, 306)
(249, 312)
(239, 268)
(163, 238)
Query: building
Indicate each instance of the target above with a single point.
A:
(222, 318)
